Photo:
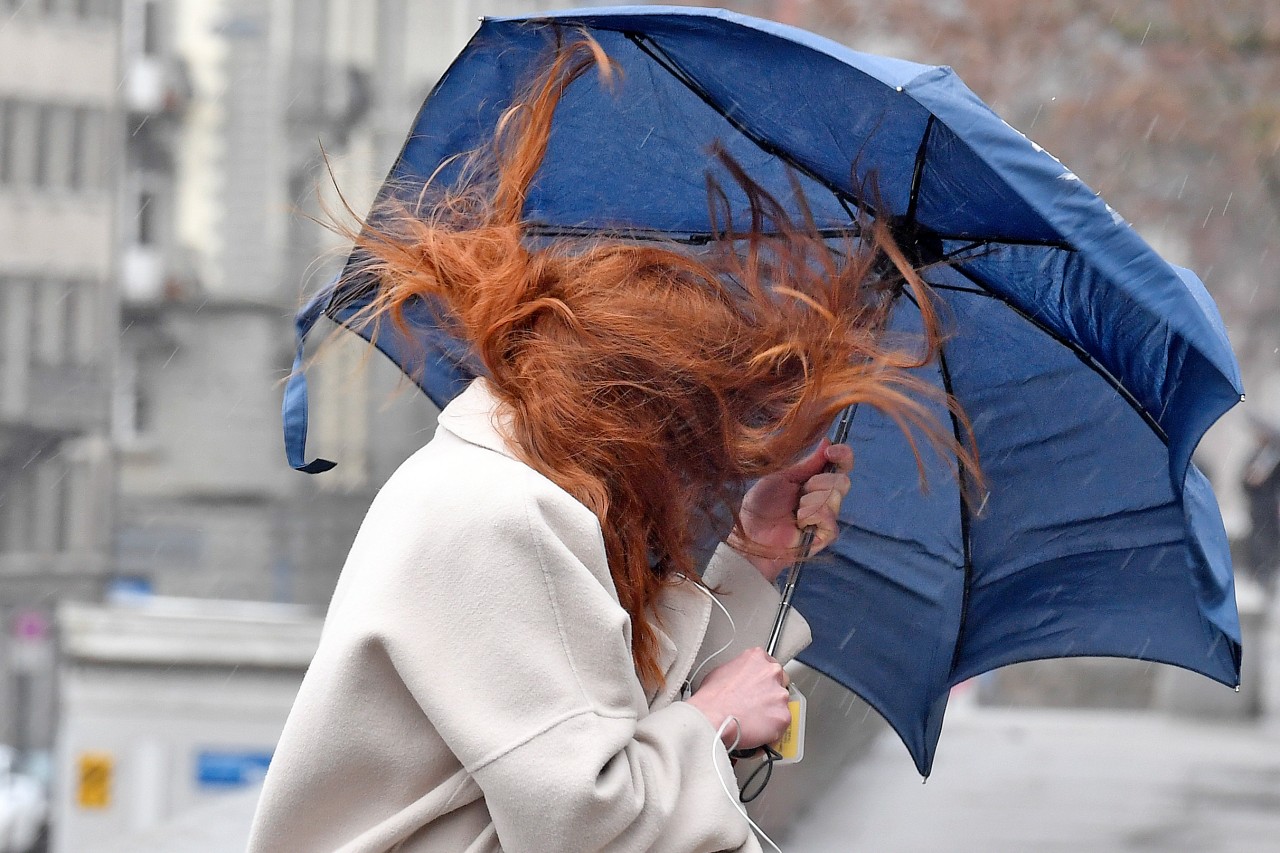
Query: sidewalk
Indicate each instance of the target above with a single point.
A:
(1035, 780)
(1065, 781)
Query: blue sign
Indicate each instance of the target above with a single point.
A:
(231, 769)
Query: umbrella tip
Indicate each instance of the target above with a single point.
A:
(1237, 688)
(924, 779)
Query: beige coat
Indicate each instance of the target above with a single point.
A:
(474, 689)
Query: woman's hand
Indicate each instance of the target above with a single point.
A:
(779, 506)
(751, 688)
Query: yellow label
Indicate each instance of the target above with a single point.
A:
(791, 745)
(786, 745)
(94, 788)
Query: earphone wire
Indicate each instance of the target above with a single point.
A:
(723, 786)
(733, 634)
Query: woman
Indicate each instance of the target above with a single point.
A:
(520, 653)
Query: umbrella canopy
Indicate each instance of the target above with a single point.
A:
(1089, 366)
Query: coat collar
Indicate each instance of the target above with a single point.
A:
(479, 417)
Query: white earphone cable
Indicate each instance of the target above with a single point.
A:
(731, 793)
(733, 634)
(725, 787)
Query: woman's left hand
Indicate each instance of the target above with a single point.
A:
(779, 506)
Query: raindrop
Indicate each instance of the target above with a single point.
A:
(1228, 203)
(1147, 33)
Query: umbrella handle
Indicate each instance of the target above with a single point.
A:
(806, 542)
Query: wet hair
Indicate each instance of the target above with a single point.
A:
(649, 381)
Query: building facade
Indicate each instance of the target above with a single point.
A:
(59, 141)
(251, 124)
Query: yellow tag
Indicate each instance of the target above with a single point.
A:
(95, 780)
(791, 745)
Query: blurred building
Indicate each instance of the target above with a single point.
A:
(244, 120)
(233, 104)
(59, 141)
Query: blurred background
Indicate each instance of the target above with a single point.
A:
(165, 167)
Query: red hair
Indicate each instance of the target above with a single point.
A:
(648, 382)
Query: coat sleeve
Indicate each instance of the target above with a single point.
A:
(501, 628)
(750, 607)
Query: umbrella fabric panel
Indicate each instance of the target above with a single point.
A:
(863, 110)
(831, 116)
(1215, 588)
(1049, 556)
(1154, 356)
(1081, 605)
(636, 155)
(960, 195)
(438, 363)
(629, 156)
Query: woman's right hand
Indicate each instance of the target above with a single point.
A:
(751, 688)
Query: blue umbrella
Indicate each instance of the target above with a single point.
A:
(1090, 367)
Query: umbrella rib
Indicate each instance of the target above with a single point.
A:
(1062, 245)
(1079, 351)
(692, 238)
(965, 521)
(666, 63)
(917, 173)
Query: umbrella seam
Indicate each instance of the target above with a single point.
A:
(1080, 353)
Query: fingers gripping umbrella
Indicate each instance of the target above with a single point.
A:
(1089, 366)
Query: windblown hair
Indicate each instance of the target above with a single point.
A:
(648, 381)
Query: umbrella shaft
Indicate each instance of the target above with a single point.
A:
(806, 542)
(789, 590)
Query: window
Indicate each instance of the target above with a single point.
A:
(16, 511)
(146, 218)
(132, 416)
(52, 323)
(6, 133)
(15, 342)
(50, 522)
(150, 28)
(88, 149)
(57, 147)
(21, 139)
(52, 146)
(82, 323)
